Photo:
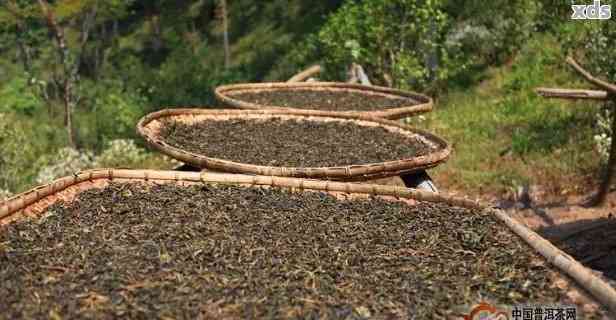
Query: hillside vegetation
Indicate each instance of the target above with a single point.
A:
(66, 110)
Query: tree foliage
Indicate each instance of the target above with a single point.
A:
(420, 44)
(394, 40)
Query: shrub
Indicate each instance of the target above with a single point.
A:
(65, 162)
(121, 153)
(603, 138)
(18, 96)
(5, 194)
(600, 50)
(488, 32)
(400, 42)
(117, 113)
(187, 79)
(16, 153)
(418, 44)
(599, 56)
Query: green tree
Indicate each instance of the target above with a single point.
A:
(400, 42)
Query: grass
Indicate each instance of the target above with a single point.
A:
(504, 135)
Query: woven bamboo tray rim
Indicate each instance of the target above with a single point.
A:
(37, 200)
(418, 103)
(148, 129)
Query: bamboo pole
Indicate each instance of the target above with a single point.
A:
(306, 74)
(23, 200)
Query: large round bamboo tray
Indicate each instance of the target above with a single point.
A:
(34, 202)
(417, 103)
(149, 128)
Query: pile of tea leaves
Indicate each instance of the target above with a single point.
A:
(324, 100)
(144, 251)
(292, 142)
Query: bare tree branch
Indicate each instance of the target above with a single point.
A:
(611, 88)
(572, 94)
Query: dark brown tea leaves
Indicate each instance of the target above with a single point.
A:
(142, 252)
(292, 142)
(325, 100)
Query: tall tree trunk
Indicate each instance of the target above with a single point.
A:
(158, 35)
(116, 29)
(604, 189)
(26, 56)
(225, 26)
(68, 79)
(432, 59)
(67, 82)
(68, 111)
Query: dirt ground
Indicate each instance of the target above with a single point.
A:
(587, 234)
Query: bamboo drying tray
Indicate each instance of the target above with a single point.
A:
(417, 103)
(150, 125)
(34, 202)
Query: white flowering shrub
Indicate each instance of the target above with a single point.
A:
(65, 162)
(603, 138)
(123, 153)
(414, 120)
(5, 194)
(600, 48)
(600, 58)
(467, 34)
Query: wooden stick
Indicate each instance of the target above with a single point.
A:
(611, 88)
(305, 74)
(572, 94)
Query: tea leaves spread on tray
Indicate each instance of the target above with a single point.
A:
(145, 251)
(292, 143)
(322, 100)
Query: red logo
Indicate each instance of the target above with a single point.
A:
(486, 311)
